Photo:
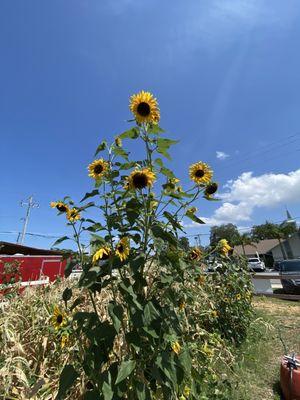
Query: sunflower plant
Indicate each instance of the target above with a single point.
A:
(142, 348)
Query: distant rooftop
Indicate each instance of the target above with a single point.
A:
(262, 247)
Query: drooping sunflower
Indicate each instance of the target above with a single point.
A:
(98, 168)
(195, 254)
(102, 254)
(59, 318)
(144, 107)
(60, 206)
(224, 247)
(123, 249)
(141, 178)
(211, 189)
(200, 173)
(73, 215)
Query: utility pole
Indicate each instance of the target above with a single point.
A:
(30, 204)
(198, 239)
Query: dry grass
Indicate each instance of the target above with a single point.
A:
(257, 373)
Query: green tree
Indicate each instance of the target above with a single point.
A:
(225, 231)
(243, 240)
(184, 243)
(269, 230)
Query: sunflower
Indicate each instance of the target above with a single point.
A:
(192, 210)
(102, 254)
(200, 173)
(123, 248)
(195, 254)
(176, 347)
(214, 314)
(211, 189)
(224, 247)
(73, 215)
(141, 178)
(201, 279)
(59, 318)
(118, 141)
(60, 206)
(98, 168)
(144, 107)
(238, 297)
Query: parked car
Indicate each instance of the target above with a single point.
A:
(255, 264)
(286, 268)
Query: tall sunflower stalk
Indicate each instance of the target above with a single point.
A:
(136, 255)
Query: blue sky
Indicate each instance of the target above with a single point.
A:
(225, 72)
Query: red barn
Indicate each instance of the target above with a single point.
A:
(32, 264)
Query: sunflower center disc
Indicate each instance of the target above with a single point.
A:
(143, 109)
(120, 248)
(59, 319)
(61, 208)
(140, 181)
(199, 173)
(98, 169)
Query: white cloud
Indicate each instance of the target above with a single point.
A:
(221, 155)
(248, 192)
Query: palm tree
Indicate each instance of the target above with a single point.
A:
(243, 240)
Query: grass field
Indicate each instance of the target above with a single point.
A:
(257, 372)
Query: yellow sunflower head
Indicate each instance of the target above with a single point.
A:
(102, 254)
(238, 297)
(224, 247)
(141, 178)
(59, 318)
(176, 347)
(196, 254)
(144, 107)
(123, 249)
(60, 206)
(200, 173)
(73, 215)
(98, 168)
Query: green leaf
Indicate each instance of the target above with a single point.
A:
(116, 313)
(90, 194)
(194, 218)
(126, 368)
(150, 313)
(121, 152)
(155, 129)
(67, 294)
(159, 162)
(107, 391)
(158, 232)
(60, 240)
(66, 381)
(101, 147)
(132, 210)
(132, 133)
(163, 145)
(71, 263)
(77, 302)
(167, 172)
(128, 165)
(173, 221)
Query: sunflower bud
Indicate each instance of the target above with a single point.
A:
(118, 141)
(211, 188)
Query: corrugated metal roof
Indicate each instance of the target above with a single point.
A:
(14, 248)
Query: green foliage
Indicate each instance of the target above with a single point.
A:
(225, 231)
(160, 329)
